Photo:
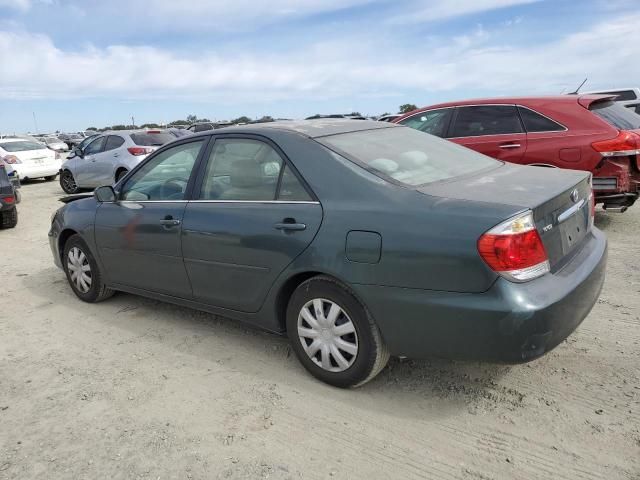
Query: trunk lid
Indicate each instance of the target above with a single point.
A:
(558, 198)
(36, 157)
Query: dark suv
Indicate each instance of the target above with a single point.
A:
(9, 196)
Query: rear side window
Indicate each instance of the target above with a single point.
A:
(535, 122)
(486, 120)
(406, 155)
(434, 122)
(113, 142)
(291, 190)
(147, 139)
(616, 115)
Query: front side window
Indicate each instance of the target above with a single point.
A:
(165, 176)
(406, 155)
(534, 122)
(434, 122)
(486, 120)
(242, 169)
(95, 146)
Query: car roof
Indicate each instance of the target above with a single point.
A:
(310, 128)
(571, 98)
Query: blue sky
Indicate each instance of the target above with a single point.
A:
(86, 63)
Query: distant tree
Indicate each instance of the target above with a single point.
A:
(385, 114)
(150, 125)
(242, 119)
(192, 118)
(179, 122)
(406, 108)
(117, 127)
(94, 129)
(356, 114)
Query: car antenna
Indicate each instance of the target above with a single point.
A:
(578, 89)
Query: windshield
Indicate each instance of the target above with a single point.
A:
(616, 115)
(21, 146)
(152, 139)
(407, 155)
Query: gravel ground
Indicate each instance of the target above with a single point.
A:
(134, 388)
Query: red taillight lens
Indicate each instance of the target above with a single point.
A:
(137, 151)
(11, 159)
(10, 199)
(514, 249)
(626, 143)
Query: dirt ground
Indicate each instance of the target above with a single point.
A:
(134, 388)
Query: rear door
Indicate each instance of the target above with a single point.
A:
(105, 161)
(494, 130)
(85, 173)
(252, 217)
(548, 143)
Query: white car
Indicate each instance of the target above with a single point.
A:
(54, 143)
(109, 157)
(29, 158)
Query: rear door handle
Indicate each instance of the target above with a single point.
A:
(169, 222)
(510, 145)
(290, 226)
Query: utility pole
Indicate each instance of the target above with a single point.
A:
(35, 122)
(133, 122)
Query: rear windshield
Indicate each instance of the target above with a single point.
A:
(616, 115)
(407, 155)
(151, 139)
(21, 146)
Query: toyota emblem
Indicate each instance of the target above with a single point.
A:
(574, 195)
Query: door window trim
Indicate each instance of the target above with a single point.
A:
(199, 181)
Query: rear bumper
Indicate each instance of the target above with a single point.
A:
(510, 322)
(37, 171)
(617, 182)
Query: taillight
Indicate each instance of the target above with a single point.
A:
(514, 249)
(11, 159)
(626, 143)
(137, 151)
(9, 199)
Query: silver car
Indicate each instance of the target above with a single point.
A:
(109, 157)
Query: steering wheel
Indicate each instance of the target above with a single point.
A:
(172, 186)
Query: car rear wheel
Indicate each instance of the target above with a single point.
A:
(333, 335)
(82, 272)
(68, 183)
(9, 218)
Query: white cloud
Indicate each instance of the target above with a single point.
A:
(15, 4)
(363, 67)
(443, 9)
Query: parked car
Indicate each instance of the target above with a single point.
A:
(627, 97)
(108, 157)
(580, 132)
(357, 239)
(205, 126)
(389, 118)
(29, 158)
(335, 115)
(9, 197)
(71, 139)
(54, 143)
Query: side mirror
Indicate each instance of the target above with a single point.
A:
(105, 194)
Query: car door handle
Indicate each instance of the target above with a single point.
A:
(169, 222)
(116, 154)
(290, 225)
(510, 145)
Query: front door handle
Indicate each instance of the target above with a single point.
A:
(169, 222)
(290, 225)
(510, 145)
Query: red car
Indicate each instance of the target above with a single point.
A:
(580, 132)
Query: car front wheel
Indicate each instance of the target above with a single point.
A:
(82, 271)
(68, 183)
(333, 335)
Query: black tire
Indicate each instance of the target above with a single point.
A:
(98, 291)
(372, 354)
(121, 174)
(9, 218)
(50, 178)
(68, 183)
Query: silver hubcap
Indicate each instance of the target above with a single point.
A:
(79, 269)
(327, 335)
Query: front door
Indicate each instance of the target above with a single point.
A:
(253, 216)
(138, 236)
(85, 173)
(494, 130)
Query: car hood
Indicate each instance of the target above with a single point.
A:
(508, 184)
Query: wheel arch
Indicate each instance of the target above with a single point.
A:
(64, 236)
